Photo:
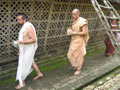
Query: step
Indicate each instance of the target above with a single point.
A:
(117, 30)
(114, 18)
(105, 7)
(117, 43)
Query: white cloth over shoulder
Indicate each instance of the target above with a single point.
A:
(26, 55)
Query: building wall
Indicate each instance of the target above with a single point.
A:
(50, 18)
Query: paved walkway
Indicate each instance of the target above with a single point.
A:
(63, 78)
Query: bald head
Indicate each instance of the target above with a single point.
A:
(76, 11)
(75, 14)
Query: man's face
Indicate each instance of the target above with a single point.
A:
(75, 15)
(20, 20)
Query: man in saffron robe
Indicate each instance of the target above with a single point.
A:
(27, 42)
(79, 40)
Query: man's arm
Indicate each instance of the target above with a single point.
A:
(31, 35)
(113, 23)
(114, 26)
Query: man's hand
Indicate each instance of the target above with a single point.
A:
(20, 42)
(72, 33)
(83, 32)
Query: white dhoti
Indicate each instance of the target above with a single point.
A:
(26, 55)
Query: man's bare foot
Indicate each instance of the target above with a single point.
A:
(38, 76)
(77, 72)
(19, 87)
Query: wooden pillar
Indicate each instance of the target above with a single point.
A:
(48, 25)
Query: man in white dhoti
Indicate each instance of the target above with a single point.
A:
(27, 42)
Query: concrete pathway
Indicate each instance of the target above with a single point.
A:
(63, 78)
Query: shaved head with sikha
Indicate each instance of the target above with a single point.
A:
(75, 14)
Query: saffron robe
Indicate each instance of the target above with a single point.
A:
(77, 48)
